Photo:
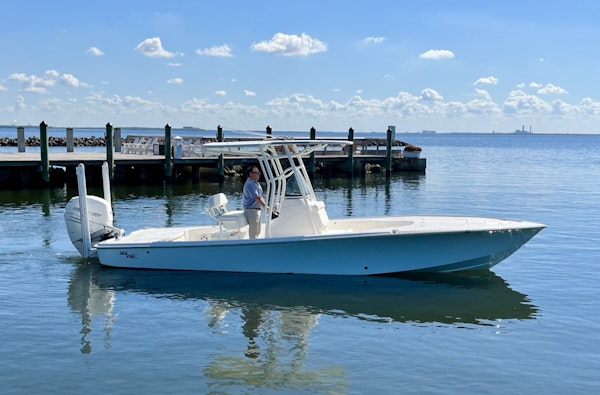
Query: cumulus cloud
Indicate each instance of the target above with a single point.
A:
(374, 40)
(221, 93)
(290, 45)
(34, 83)
(221, 51)
(483, 94)
(94, 51)
(520, 103)
(176, 80)
(20, 103)
(437, 54)
(550, 89)
(249, 93)
(431, 95)
(71, 81)
(486, 81)
(152, 47)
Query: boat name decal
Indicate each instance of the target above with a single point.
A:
(127, 255)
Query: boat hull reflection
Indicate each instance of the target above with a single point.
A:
(475, 298)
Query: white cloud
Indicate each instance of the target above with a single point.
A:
(20, 103)
(431, 95)
(437, 54)
(486, 81)
(152, 47)
(290, 45)
(551, 89)
(589, 107)
(483, 94)
(249, 93)
(535, 85)
(171, 64)
(176, 80)
(520, 103)
(221, 93)
(374, 40)
(72, 81)
(94, 51)
(3, 88)
(34, 83)
(221, 51)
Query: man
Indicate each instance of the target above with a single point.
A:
(253, 200)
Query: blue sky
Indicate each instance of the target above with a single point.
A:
(449, 66)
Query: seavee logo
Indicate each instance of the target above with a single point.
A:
(127, 255)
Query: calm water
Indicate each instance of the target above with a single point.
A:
(529, 326)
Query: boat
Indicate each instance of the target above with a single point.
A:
(301, 238)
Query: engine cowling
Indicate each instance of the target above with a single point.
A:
(100, 219)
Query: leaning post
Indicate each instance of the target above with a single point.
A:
(350, 148)
(221, 161)
(168, 161)
(109, 151)
(311, 161)
(388, 152)
(45, 161)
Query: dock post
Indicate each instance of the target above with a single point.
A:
(311, 162)
(388, 152)
(109, 150)
(21, 138)
(221, 161)
(70, 143)
(350, 166)
(269, 132)
(45, 162)
(168, 161)
(118, 140)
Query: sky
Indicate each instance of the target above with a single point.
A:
(448, 66)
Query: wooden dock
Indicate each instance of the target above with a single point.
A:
(23, 170)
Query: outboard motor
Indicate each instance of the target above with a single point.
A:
(100, 220)
(89, 219)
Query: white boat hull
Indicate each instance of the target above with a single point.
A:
(380, 246)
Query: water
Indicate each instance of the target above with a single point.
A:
(529, 326)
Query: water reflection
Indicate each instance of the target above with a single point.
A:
(278, 312)
(90, 301)
(473, 299)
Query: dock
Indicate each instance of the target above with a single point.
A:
(24, 170)
(142, 160)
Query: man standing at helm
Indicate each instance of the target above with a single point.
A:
(253, 201)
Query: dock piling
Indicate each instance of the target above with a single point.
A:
(109, 151)
(388, 151)
(70, 141)
(350, 166)
(45, 161)
(311, 162)
(168, 161)
(221, 161)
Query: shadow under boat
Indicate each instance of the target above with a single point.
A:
(459, 298)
